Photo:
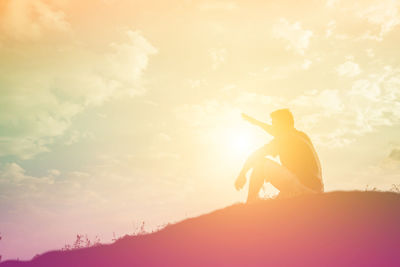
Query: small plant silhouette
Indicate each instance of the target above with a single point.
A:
(82, 241)
(395, 188)
(369, 188)
(0, 254)
(141, 229)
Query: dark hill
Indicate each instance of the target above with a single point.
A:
(331, 229)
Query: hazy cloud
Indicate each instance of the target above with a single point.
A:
(298, 39)
(31, 19)
(218, 56)
(349, 69)
(39, 105)
(331, 3)
(330, 28)
(384, 13)
(395, 154)
(328, 101)
(84, 197)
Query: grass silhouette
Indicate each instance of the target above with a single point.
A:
(359, 228)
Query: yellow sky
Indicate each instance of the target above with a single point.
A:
(115, 111)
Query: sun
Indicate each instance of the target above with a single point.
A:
(234, 142)
(240, 141)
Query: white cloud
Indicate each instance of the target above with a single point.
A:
(331, 3)
(165, 155)
(164, 137)
(348, 69)
(15, 182)
(329, 100)
(54, 173)
(39, 105)
(218, 56)
(48, 81)
(32, 19)
(298, 39)
(128, 60)
(330, 28)
(384, 13)
(196, 115)
(72, 137)
(338, 117)
(196, 83)
(364, 88)
(306, 64)
(395, 154)
(252, 99)
(31, 119)
(370, 52)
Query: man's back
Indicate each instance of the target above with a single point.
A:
(297, 154)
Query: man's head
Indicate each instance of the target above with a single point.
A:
(282, 120)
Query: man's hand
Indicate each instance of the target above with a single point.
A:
(267, 127)
(248, 118)
(240, 182)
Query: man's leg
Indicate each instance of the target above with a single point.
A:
(269, 171)
(241, 179)
(257, 179)
(284, 180)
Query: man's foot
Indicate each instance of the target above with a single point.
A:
(253, 200)
(295, 193)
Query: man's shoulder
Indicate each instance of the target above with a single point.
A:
(295, 136)
(302, 135)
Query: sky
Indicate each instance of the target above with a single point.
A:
(115, 112)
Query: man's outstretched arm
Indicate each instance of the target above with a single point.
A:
(267, 127)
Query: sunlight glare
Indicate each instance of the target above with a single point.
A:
(240, 142)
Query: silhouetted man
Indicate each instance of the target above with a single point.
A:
(300, 171)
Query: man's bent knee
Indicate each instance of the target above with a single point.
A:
(266, 164)
(263, 168)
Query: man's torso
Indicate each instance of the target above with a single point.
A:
(297, 154)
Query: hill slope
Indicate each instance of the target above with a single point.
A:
(331, 229)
